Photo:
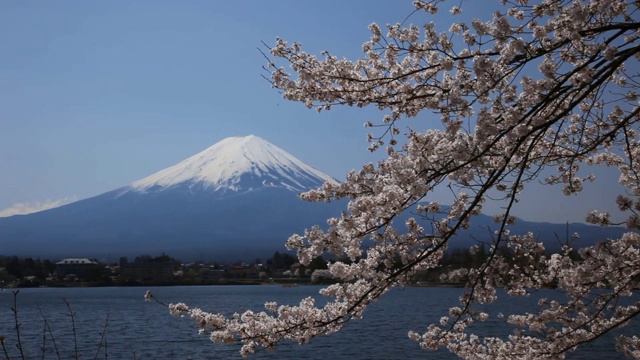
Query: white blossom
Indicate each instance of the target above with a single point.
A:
(540, 88)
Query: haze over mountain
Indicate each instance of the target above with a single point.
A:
(236, 200)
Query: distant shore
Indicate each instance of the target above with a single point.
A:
(285, 282)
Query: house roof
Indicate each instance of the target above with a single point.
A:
(76, 261)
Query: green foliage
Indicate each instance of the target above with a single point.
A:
(23, 267)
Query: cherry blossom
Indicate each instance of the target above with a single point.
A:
(532, 94)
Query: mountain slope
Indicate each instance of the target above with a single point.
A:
(234, 200)
(236, 164)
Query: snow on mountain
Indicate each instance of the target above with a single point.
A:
(204, 207)
(237, 164)
(235, 200)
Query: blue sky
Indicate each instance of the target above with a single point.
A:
(95, 95)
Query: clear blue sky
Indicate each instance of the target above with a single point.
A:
(97, 94)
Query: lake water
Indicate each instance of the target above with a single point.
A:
(143, 330)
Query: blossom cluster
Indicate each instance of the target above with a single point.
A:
(542, 87)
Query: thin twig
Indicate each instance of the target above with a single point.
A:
(44, 340)
(4, 349)
(73, 328)
(14, 309)
(103, 339)
(48, 329)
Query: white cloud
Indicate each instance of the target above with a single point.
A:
(28, 208)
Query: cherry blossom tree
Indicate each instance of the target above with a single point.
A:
(534, 93)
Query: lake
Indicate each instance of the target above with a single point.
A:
(145, 330)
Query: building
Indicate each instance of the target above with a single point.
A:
(81, 268)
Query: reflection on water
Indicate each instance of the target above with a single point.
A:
(142, 330)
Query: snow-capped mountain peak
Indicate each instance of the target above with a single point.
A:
(236, 164)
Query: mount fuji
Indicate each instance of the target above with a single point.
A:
(235, 165)
(236, 200)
